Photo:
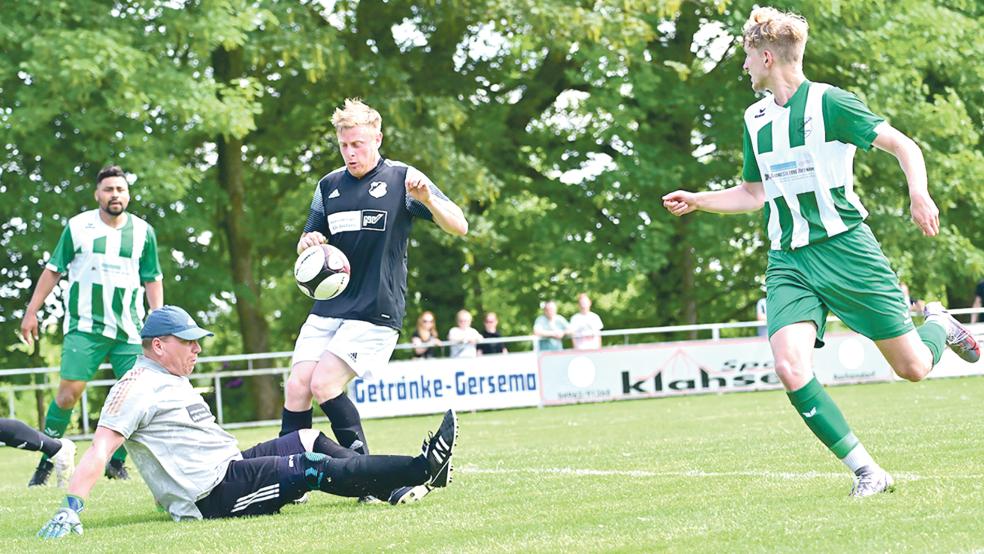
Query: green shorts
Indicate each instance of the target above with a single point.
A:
(82, 353)
(847, 275)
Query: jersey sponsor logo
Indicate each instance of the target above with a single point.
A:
(373, 220)
(357, 220)
(377, 189)
(334, 194)
(198, 412)
(341, 222)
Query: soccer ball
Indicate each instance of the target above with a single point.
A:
(322, 272)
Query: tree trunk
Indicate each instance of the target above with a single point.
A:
(266, 390)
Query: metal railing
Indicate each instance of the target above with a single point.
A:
(216, 377)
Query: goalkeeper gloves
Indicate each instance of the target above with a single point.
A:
(65, 521)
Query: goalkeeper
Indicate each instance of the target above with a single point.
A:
(195, 469)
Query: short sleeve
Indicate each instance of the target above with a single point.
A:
(848, 120)
(126, 408)
(540, 323)
(750, 169)
(417, 209)
(150, 265)
(317, 221)
(64, 252)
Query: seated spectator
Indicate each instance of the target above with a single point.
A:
(490, 331)
(425, 339)
(463, 337)
(585, 326)
(550, 327)
(916, 306)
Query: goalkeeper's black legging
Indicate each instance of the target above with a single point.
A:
(19, 435)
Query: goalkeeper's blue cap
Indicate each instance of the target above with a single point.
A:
(172, 320)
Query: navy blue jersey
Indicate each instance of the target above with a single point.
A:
(369, 219)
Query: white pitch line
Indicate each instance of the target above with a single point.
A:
(638, 473)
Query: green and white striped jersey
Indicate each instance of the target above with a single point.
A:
(106, 271)
(803, 153)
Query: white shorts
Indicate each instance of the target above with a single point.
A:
(365, 347)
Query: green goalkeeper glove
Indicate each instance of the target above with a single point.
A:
(65, 521)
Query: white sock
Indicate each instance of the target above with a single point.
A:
(857, 458)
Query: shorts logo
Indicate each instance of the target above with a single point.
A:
(377, 189)
(198, 412)
(373, 220)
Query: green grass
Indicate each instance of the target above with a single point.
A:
(730, 473)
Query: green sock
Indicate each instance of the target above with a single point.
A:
(933, 335)
(824, 418)
(56, 422)
(120, 455)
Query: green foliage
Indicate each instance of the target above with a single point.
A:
(556, 125)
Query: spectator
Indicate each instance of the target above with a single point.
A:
(915, 305)
(490, 331)
(978, 302)
(550, 327)
(585, 326)
(760, 314)
(463, 337)
(425, 339)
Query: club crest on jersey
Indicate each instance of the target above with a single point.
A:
(377, 189)
(373, 220)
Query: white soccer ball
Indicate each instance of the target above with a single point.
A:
(322, 272)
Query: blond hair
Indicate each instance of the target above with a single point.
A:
(784, 33)
(356, 114)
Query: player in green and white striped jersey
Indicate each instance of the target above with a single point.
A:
(110, 257)
(799, 148)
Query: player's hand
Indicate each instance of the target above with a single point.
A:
(418, 186)
(64, 522)
(29, 327)
(925, 214)
(310, 239)
(680, 202)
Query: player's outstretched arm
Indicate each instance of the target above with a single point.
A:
(924, 212)
(66, 519)
(746, 197)
(29, 325)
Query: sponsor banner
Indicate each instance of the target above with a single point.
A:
(434, 385)
(694, 367)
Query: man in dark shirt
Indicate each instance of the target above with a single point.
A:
(365, 209)
(489, 331)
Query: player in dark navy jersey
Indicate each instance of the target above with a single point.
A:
(365, 209)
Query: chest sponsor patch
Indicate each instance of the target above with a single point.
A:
(198, 412)
(357, 220)
(373, 220)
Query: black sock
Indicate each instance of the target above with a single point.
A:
(294, 421)
(324, 445)
(345, 422)
(372, 475)
(19, 435)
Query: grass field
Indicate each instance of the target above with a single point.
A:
(732, 473)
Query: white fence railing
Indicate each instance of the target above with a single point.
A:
(212, 381)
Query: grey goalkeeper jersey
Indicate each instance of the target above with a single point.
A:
(179, 449)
